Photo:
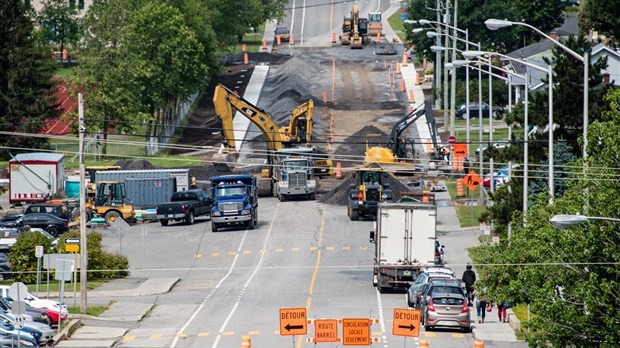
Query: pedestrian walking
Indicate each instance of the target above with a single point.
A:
(469, 278)
(481, 307)
(501, 311)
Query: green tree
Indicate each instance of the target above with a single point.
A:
(570, 277)
(602, 16)
(60, 20)
(23, 258)
(101, 264)
(26, 87)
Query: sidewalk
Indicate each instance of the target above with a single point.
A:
(492, 329)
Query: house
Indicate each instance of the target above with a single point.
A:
(613, 62)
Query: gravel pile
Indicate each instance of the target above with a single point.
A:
(353, 148)
(207, 171)
(135, 165)
(339, 195)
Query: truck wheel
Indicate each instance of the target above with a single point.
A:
(312, 196)
(112, 216)
(255, 217)
(163, 222)
(354, 215)
(274, 189)
(213, 227)
(190, 218)
(282, 197)
(251, 222)
(382, 289)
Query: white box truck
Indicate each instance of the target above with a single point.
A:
(35, 177)
(404, 239)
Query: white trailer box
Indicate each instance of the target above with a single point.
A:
(404, 239)
(36, 177)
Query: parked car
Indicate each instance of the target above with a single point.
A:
(185, 206)
(283, 31)
(5, 266)
(498, 144)
(443, 286)
(446, 310)
(42, 333)
(37, 315)
(41, 303)
(59, 210)
(7, 329)
(414, 293)
(461, 110)
(438, 188)
(52, 224)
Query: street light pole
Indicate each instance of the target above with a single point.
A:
(564, 221)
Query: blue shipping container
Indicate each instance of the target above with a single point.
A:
(147, 193)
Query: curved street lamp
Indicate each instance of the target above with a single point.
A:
(495, 24)
(564, 221)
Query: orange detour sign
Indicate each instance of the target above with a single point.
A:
(472, 180)
(406, 322)
(293, 321)
(356, 331)
(326, 330)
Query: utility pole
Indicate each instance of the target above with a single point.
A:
(83, 236)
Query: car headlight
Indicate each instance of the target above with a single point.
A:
(311, 183)
(246, 212)
(216, 213)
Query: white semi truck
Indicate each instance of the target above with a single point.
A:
(404, 239)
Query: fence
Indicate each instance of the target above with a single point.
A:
(154, 144)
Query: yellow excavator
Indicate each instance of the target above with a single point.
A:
(351, 34)
(298, 132)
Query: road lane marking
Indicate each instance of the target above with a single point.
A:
(215, 254)
(303, 20)
(430, 334)
(193, 316)
(346, 248)
(247, 283)
(329, 248)
(129, 338)
(198, 256)
(315, 271)
(181, 334)
(245, 252)
(228, 333)
(458, 335)
(363, 248)
(253, 332)
(155, 337)
(381, 319)
(295, 249)
(203, 334)
(314, 248)
(279, 250)
(232, 253)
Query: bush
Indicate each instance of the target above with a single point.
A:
(100, 263)
(23, 258)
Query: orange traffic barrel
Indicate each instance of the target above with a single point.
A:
(402, 85)
(246, 342)
(292, 40)
(324, 96)
(397, 68)
(378, 37)
(246, 60)
(459, 188)
(424, 343)
(333, 37)
(405, 59)
(338, 170)
(244, 47)
(411, 97)
(264, 44)
(478, 344)
(278, 40)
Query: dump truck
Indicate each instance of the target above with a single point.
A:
(293, 174)
(235, 201)
(404, 239)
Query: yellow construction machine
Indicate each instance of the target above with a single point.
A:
(352, 33)
(374, 24)
(111, 203)
(299, 130)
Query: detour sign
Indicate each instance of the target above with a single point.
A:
(293, 321)
(326, 330)
(406, 322)
(356, 331)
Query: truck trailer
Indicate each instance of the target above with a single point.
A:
(404, 238)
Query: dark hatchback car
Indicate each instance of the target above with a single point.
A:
(51, 223)
(474, 110)
(5, 266)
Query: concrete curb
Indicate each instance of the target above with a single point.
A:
(513, 321)
(68, 330)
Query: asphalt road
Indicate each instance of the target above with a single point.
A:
(233, 282)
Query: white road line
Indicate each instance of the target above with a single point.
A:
(232, 267)
(247, 283)
(378, 6)
(303, 20)
(292, 20)
(381, 320)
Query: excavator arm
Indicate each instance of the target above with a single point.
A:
(425, 109)
(300, 126)
(226, 100)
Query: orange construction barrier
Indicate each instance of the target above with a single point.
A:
(65, 54)
(405, 59)
(264, 44)
(478, 344)
(246, 342)
(425, 198)
(334, 37)
(459, 188)
(411, 97)
(338, 170)
(378, 37)
(244, 47)
(246, 60)
(424, 343)
(410, 109)
(278, 40)
(324, 96)
(402, 85)
(292, 40)
(397, 68)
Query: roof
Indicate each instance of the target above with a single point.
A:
(38, 156)
(534, 49)
(569, 27)
(602, 49)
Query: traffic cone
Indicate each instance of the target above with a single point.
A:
(246, 342)
(402, 85)
(378, 37)
(460, 191)
(333, 37)
(264, 44)
(244, 47)
(478, 344)
(411, 98)
(397, 68)
(292, 40)
(278, 40)
(405, 59)
(246, 60)
(424, 343)
(338, 170)
(324, 96)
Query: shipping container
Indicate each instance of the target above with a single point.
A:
(181, 175)
(147, 193)
(36, 177)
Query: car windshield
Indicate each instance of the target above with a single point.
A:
(448, 301)
(445, 290)
(295, 165)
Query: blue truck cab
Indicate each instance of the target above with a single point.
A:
(235, 201)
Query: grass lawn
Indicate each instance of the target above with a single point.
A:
(253, 41)
(92, 310)
(468, 215)
(397, 24)
(64, 72)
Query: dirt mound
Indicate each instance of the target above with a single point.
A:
(135, 164)
(254, 57)
(207, 171)
(353, 148)
(340, 194)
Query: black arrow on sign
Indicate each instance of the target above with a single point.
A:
(410, 327)
(290, 327)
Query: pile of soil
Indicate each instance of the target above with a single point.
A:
(340, 194)
(207, 171)
(135, 164)
(353, 148)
